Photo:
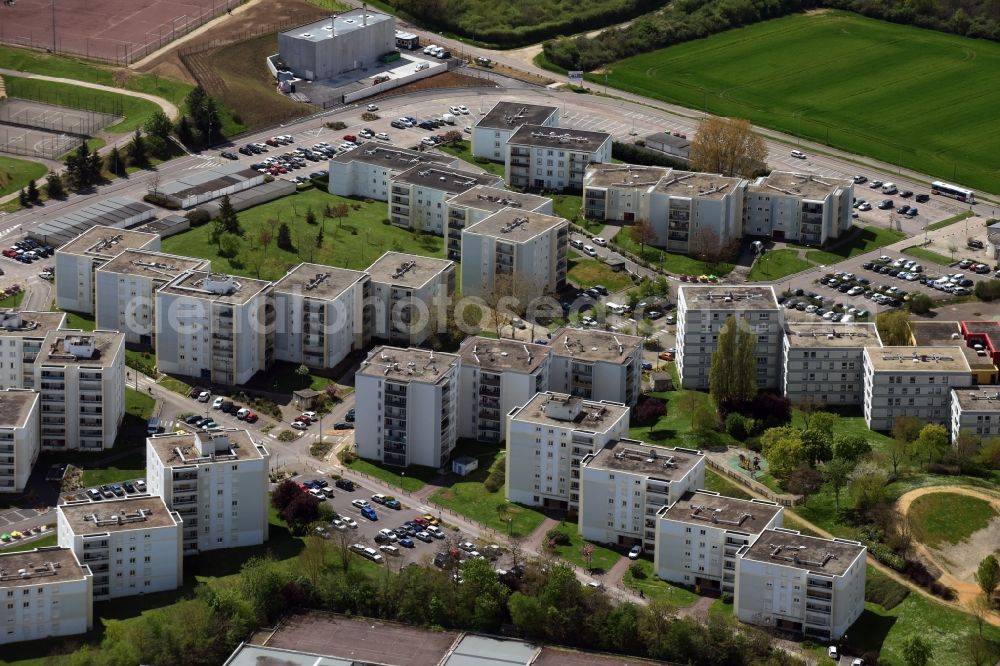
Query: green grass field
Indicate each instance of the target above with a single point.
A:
(354, 242)
(947, 518)
(411, 480)
(777, 264)
(132, 466)
(135, 110)
(928, 255)
(588, 272)
(13, 301)
(602, 558)
(15, 174)
(948, 221)
(656, 588)
(897, 93)
(679, 264)
(862, 240)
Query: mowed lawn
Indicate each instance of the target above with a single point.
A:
(948, 518)
(777, 264)
(15, 174)
(894, 92)
(353, 242)
(586, 273)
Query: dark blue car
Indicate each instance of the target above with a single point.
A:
(369, 513)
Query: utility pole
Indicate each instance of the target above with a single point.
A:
(53, 4)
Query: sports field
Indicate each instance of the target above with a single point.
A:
(896, 93)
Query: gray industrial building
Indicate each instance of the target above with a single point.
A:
(349, 41)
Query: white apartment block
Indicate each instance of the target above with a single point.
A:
(418, 197)
(823, 362)
(977, 410)
(798, 207)
(46, 593)
(19, 438)
(77, 260)
(409, 296)
(476, 204)
(496, 376)
(596, 365)
(527, 250)
(366, 171)
(214, 327)
(625, 484)
(21, 337)
(321, 315)
(702, 311)
(546, 158)
(81, 378)
(548, 438)
(491, 132)
(915, 381)
(792, 582)
(410, 399)
(620, 192)
(132, 545)
(698, 536)
(217, 482)
(125, 291)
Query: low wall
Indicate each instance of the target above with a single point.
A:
(390, 84)
(759, 488)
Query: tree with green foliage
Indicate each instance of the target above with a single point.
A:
(54, 186)
(319, 239)
(894, 328)
(229, 245)
(989, 454)
(34, 196)
(933, 442)
(642, 234)
(817, 445)
(836, 474)
(988, 290)
(284, 240)
(138, 153)
(784, 451)
(80, 171)
(158, 125)
(851, 446)
(114, 162)
(22, 199)
(228, 218)
(184, 133)
(921, 303)
(907, 428)
(988, 575)
(805, 480)
(733, 373)
(310, 216)
(917, 652)
(867, 485)
(823, 421)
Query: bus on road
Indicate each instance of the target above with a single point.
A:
(953, 191)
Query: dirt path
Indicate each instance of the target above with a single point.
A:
(168, 107)
(966, 590)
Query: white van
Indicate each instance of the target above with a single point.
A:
(615, 308)
(889, 188)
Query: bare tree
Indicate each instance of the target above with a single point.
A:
(705, 246)
(727, 146)
(642, 233)
(313, 558)
(501, 301)
(343, 542)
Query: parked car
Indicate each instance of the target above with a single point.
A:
(344, 484)
(369, 513)
(372, 107)
(597, 240)
(343, 425)
(635, 552)
(217, 403)
(798, 154)
(299, 425)
(589, 250)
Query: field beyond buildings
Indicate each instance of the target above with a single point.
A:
(901, 94)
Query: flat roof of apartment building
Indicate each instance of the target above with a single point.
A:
(564, 411)
(340, 24)
(80, 347)
(15, 406)
(117, 515)
(453, 181)
(154, 265)
(215, 287)
(390, 157)
(509, 115)
(705, 507)
(516, 226)
(831, 334)
(592, 345)
(216, 446)
(983, 398)
(791, 549)
(407, 270)
(926, 333)
(623, 176)
(502, 355)
(718, 297)
(407, 365)
(987, 328)
(697, 185)
(29, 324)
(631, 455)
(42, 566)
(107, 242)
(918, 359)
(488, 198)
(563, 138)
(806, 186)
(318, 281)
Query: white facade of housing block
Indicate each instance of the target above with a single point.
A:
(132, 545)
(596, 365)
(366, 171)
(476, 204)
(623, 485)
(410, 399)
(21, 337)
(548, 438)
(217, 482)
(975, 410)
(418, 197)
(409, 295)
(19, 438)
(798, 207)
(823, 363)
(540, 157)
(44, 593)
(491, 132)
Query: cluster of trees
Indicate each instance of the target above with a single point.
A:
(728, 146)
(202, 124)
(30, 196)
(732, 377)
(693, 19)
(988, 290)
(83, 168)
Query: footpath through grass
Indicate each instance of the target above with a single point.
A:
(941, 518)
(842, 98)
(15, 173)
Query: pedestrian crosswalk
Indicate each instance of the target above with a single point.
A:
(206, 163)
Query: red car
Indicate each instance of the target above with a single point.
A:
(420, 520)
(272, 142)
(303, 487)
(9, 253)
(350, 137)
(251, 417)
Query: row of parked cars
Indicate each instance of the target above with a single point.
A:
(823, 307)
(957, 283)
(112, 490)
(27, 251)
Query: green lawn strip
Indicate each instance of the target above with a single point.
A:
(134, 109)
(671, 262)
(720, 484)
(851, 422)
(354, 242)
(284, 378)
(132, 466)
(79, 320)
(823, 258)
(589, 272)
(17, 173)
(719, 608)
(731, 75)
(175, 385)
(602, 559)
(776, 265)
(928, 255)
(19, 546)
(413, 478)
(568, 206)
(657, 588)
(861, 241)
(13, 301)
(941, 224)
(138, 404)
(463, 151)
(941, 518)
(674, 428)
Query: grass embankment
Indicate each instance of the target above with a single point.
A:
(15, 174)
(842, 101)
(948, 221)
(777, 264)
(353, 242)
(862, 241)
(588, 272)
(412, 479)
(928, 255)
(941, 518)
(463, 151)
(671, 262)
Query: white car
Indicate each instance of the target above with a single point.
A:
(217, 404)
(589, 250)
(382, 136)
(299, 425)
(454, 110)
(832, 653)
(799, 154)
(372, 107)
(427, 141)
(429, 49)
(597, 240)
(350, 522)
(635, 552)
(359, 503)
(318, 494)
(204, 396)
(389, 534)
(463, 109)
(338, 524)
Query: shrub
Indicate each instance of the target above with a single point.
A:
(884, 591)
(632, 154)
(337, 125)
(726, 598)
(988, 290)
(736, 426)
(347, 456)
(286, 436)
(556, 537)
(637, 570)
(497, 476)
(161, 201)
(197, 217)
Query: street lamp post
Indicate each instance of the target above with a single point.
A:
(401, 477)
